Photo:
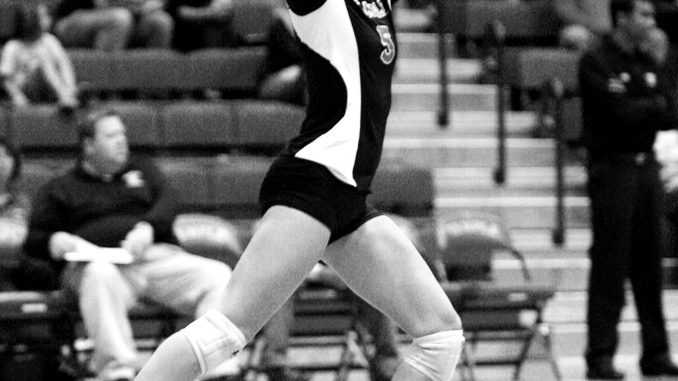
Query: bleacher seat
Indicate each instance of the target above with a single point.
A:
(199, 125)
(235, 183)
(262, 124)
(530, 20)
(190, 178)
(144, 70)
(142, 122)
(93, 69)
(149, 69)
(235, 69)
(42, 127)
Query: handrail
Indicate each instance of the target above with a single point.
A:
(495, 36)
(557, 92)
(443, 111)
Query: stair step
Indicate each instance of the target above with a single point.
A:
(537, 242)
(535, 181)
(469, 152)
(472, 123)
(567, 274)
(427, 71)
(520, 211)
(421, 45)
(570, 307)
(426, 97)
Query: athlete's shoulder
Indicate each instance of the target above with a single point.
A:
(304, 7)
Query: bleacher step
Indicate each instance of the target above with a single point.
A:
(426, 97)
(521, 211)
(469, 181)
(570, 308)
(421, 45)
(471, 123)
(427, 71)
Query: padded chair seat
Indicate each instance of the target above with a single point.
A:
(31, 305)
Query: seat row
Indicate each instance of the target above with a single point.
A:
(226, 69)
(531, 20)
(229, 185)
(193, 126)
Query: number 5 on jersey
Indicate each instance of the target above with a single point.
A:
(388, 54)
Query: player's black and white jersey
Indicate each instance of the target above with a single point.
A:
(349, 49)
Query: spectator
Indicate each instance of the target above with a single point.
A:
(667, 18)
(626, 99)
(584, 20)
(13, 211)
(111, 200)
(34, 66)
(112, 25)
(202, 23)
(283, 77)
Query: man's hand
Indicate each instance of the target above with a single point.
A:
(61, 243)
(139, 239)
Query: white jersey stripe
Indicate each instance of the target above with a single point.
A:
(328, 32)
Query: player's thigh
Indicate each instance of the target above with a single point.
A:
(382, 266)
(284, 248)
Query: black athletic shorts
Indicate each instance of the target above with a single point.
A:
(311, 188)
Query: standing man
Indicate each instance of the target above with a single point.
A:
(626, 100)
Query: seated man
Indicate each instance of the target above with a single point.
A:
(109, 200)
(584, 20)
(111, 25)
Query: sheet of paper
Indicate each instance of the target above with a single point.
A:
(112, 255)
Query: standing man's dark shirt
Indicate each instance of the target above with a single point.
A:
(626, 100)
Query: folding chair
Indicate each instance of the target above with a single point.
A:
(491, 311)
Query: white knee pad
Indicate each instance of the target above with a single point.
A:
(214, 339)
(436, 355)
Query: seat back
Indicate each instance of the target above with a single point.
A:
(468, 241)
(198, 125)
(266, 124)
(230, 70)
(209, 236)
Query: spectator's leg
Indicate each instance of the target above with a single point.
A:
(276, 335)
(382, 330)
(105, 29)
(104, 299)
(188, 284)
(155, 30)
(65, 94)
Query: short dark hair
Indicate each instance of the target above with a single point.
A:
(27, 25)
(87, 125)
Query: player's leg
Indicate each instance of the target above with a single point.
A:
(382, 266)
(283, 250)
